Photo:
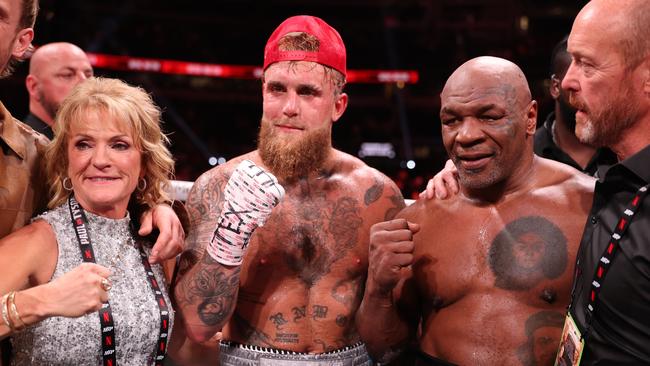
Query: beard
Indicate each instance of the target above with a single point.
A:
(50, 106)
(606, 125)
(485, 178)
(291, 158)
(488, 176)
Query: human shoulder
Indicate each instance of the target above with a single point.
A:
(32, 248)
(36, 233)
(356, 170)
(553, 174)
(418, 209)
(375, 183)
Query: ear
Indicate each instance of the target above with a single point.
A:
(30, 83)
(340, 105)
(554, 88)
(531, 118)
(22, 42)
(646, 76)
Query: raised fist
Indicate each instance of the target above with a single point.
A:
(391, 249)
(250, 195)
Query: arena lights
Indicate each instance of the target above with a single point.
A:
(376, 149)
(216, 161)
(127, 63)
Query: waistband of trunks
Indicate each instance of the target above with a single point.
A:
(275, 351)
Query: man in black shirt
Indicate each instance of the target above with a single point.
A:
(608, 82)
(556, 139)
(54, 69)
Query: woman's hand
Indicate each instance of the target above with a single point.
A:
(74, 294)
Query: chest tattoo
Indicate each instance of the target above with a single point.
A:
(527, 251)
(314, 234)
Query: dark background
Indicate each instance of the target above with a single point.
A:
(432, 37)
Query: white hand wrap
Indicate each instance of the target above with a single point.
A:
(250, 195)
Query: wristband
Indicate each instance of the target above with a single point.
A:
(249, 197)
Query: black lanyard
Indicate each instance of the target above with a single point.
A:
(606, 259)
(79, 222)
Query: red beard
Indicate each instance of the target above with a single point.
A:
(293, 157)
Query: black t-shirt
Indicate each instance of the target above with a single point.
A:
(39, 125)
(620, 330)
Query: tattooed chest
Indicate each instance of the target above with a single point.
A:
(527, 256)
(307, 238)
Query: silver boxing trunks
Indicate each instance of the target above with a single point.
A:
(235, 354)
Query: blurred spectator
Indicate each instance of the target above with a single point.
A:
(54, 69)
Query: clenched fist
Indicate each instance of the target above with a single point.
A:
(391, 249)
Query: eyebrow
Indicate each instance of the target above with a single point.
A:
(4, 15)
(84, 135)
(312, 89)
(481, 109)
(488, 107)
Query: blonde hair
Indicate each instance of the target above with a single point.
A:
(129, 105)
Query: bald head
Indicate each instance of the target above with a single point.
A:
(54, 69)
(623, 23)
(488, 120)
(489, 74)
(59, 52)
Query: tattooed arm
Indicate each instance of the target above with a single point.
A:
(383, 321)
(206, 291)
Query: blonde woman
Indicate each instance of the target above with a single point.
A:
(76, 284)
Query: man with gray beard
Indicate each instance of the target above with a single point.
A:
(556, 138)
(290, 295)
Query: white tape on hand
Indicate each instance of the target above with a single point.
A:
(250, 195)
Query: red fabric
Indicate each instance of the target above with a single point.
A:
(331, 50)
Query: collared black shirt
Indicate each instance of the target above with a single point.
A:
(545, 147)
(39, 125)
(620, 330)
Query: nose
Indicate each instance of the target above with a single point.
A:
(469, 132)
(100, 157)
(81, 76)
(570, 80)
(291, 105)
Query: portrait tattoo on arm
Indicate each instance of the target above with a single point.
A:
(527, 251)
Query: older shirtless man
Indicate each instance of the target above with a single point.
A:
(487, 272)
(291, 295)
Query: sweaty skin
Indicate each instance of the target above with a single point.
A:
(491, 267)
(302, 277)
(481, 272)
